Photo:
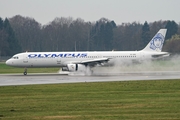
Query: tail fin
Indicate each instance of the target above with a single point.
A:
(156, 42)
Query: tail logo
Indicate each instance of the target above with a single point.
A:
(157, 42)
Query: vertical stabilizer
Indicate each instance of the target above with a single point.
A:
(156, 42)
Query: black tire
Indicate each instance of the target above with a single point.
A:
(25, 73)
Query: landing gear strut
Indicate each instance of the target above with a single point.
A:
(25, 71)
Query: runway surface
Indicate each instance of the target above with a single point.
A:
(56, 78)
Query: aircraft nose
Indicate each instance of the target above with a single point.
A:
(8, 62)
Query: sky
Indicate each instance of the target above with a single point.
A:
(121, 11)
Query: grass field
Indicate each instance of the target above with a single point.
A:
(132, 100)
(8, 69)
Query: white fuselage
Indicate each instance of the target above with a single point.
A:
(60, 59)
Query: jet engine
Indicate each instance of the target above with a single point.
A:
(76, 67)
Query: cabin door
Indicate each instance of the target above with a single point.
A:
(142, 56)
(58, 60)
(25, 60)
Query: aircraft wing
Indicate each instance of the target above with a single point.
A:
(92, 62)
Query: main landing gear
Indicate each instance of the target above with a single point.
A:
(25, 71)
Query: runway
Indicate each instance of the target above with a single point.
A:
(56, 78)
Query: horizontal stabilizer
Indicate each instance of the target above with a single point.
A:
(160, 55)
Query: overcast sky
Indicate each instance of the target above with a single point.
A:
(121, 11)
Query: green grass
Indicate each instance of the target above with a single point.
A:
(133, 100)
(8, 69)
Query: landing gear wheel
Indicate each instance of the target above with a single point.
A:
(25, 71)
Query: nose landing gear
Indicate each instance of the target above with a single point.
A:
(25, 71)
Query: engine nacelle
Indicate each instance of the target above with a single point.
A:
(76, 67)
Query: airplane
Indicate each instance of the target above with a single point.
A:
(83, 61)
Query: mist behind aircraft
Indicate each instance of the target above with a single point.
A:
(172, 63)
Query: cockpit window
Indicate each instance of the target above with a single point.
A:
(15, 57)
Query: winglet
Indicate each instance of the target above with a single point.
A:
(156, 42)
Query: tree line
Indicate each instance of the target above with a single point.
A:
(20, 34)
